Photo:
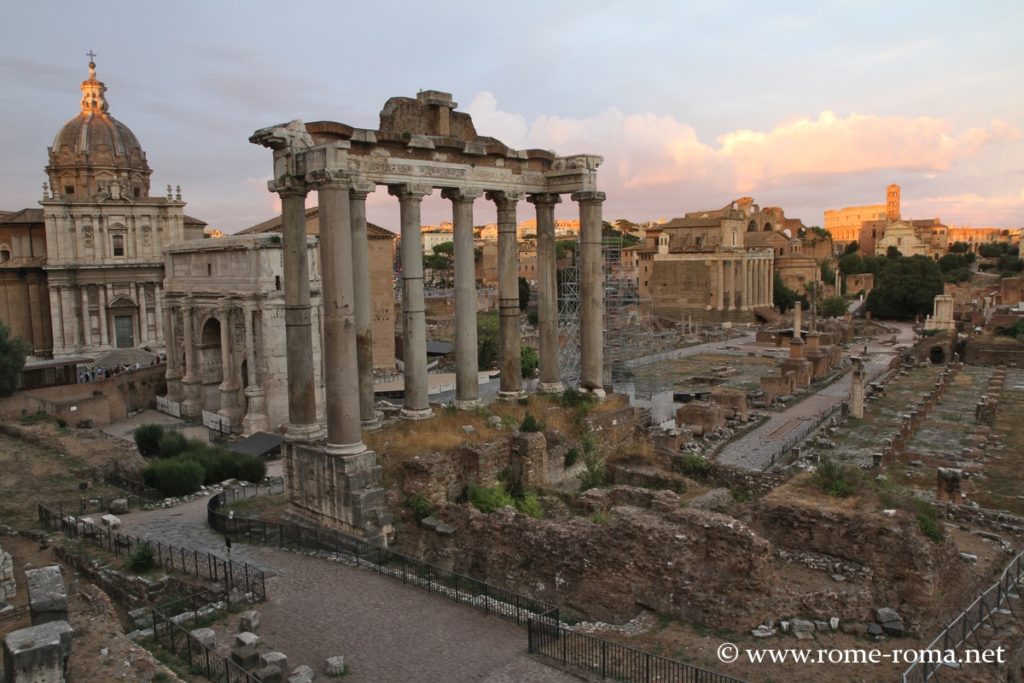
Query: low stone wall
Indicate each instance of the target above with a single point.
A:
(977, 352)
(101, 402)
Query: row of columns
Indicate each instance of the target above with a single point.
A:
(749, 278)
(71, 317)
(347, 337)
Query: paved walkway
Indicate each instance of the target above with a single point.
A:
(387, 631)
(755, 450)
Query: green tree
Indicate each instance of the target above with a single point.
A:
(524, 293)
(828, 275)
(906, 288)
(992, 250)
(960, 248)
(529, 360)
(893, 253)
(446, 249)
(851, 263)
(851, 248)
(487, 341)
(563, 248)
(833, 307)
(12, 360)
(784, 297)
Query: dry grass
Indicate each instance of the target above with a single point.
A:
(403, 440)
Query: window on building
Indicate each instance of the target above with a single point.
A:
(209, 269)
(5, 255)
(69, 189)
(118, 244)
(277, 282)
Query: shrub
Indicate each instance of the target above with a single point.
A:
(837, 479)
(172, 443)
(147, 439)
(530, 505)
(694, 466)
(174, 477)
(571, 457)
(599, 517)
(141, 559)
(574, 398)
(250, 468)
(529, 361)
(487, 500)
(419, 506)
(594, 476)
(928, 522)
(531, 424)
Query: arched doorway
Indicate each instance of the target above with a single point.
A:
(210, 363)
(122, 313)
(752, 226)
(937, 355)
(768, 227)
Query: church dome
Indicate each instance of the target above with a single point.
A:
(93, 149)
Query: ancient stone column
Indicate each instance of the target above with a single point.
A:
(255, 418)
(467, 385)
(140, 295)
(69, 309)
(547, 291)
(720, 298)
(744, 284)
(414, 326)
(191, 381)
(341, 362)
(228, 387)
(857, 388)
(363, 302)
(175, 392)
(591, 293)
(798, 320)
(56, 321)
(297, 315)
(85, 317)
(158, 312)
(771, 282)
(508, 296)
(730, 285)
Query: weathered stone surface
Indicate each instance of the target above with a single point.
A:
(802, 628)
(715, 499)
(119, 506)
(247, 639)
(140, 618)
(874, 629)
(249, 621)
(335, 666)
(111, 521)
(885, 615)
(301, 674)
(763, 632)
(245, 657)
(47, 595)
(140, 634)
(270, 674)
(7, 586)
(38, 654)
(278, 659)
(205, 636)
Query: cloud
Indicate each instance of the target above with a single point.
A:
(971, 208)
(650, 154)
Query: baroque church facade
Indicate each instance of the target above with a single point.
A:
(105, 234)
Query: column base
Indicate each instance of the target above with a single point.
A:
(410, 414)
(467, 403)
(596, 392)
(300, 433)
(345, 449)
(511, 395)
(371, 425)
(551, 387)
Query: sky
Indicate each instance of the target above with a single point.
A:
(803, 105)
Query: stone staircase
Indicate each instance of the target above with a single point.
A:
(128, 357)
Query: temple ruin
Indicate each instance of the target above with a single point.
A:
(422, 144)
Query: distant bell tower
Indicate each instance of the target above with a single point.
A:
(892, 202)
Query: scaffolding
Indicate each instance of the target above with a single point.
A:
(630, 329)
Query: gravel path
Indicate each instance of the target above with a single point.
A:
(755, 450)
(387, 631)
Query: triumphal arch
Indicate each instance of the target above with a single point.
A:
(422, 144)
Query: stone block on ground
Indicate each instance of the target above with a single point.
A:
(278, 659)
(47, 595)
(38, 653)
(118, 506)
(247, 639)
(270, 674)
(206, 636)
(249, 621)
(245, 657)
(301, 674)
(140, 618)
(802, 628)
(111, 521)
(335, 666)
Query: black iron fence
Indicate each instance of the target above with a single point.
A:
(136, 488)
(435, 580)
(61, 517)
(614, 661)
(172, 626)
(968, 624)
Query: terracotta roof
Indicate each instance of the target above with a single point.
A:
(23, 216)
(374, 232)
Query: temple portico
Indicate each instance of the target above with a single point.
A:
(422, 145)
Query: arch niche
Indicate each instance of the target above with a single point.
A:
(210, 363)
